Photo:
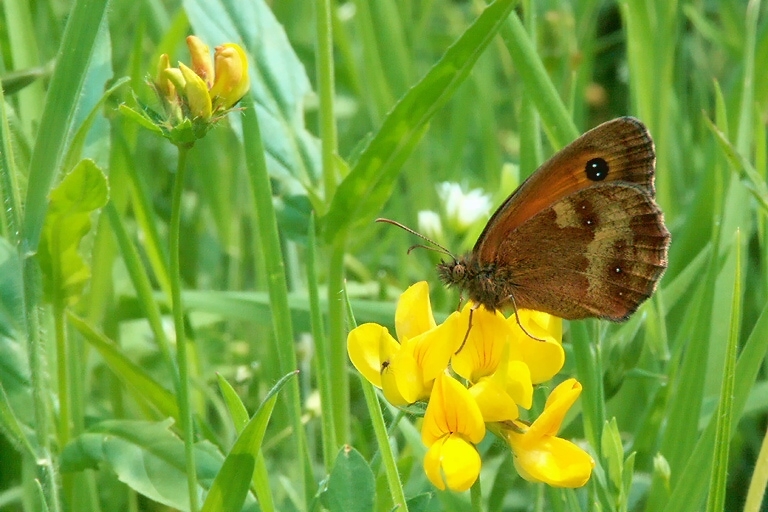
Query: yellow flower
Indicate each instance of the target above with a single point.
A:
(405, 371)
(195, 97)
(452, 426)
(539, 455)
(232, 80)
(503, 362)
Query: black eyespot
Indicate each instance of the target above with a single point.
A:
(596, 169)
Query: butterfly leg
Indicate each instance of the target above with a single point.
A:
(517, 317)
(469, 327)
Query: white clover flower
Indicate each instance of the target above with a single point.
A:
(430, 224)
(462, 209)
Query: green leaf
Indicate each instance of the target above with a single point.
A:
(68, 220)
(746, 171)
(141, 385)
(16, 409)
(351, 486)
(724, 418)
(146, 456)
(236, 408)
(692, 482)
(370, 183)
(613, 454)
(231, 484)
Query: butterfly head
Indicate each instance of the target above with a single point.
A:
(453, 273)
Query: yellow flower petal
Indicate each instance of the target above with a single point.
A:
(232, 81)
(544, 358)
(493, 400)
(481, 353)
(519, 385)
(202, 64)
(365, 346)
(434, 348)
(554, 461)
(452, 462)
(413, 315)
(559, 401)
(408, 379)
(162, 82)
(451, 410)
(196, 92)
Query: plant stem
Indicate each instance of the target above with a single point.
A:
(328, 134)
(324, 380)
(32, 290)
(476, 496)
(336, 342)
(382, 440)
(178, 321)
(266, 221)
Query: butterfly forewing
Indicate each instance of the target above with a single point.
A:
(623, 144)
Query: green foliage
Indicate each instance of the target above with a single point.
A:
(68, 220)
(350, 485)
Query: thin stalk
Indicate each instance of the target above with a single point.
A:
(324, 381)
(759, 482)
(476, 496)
(336, 344)
(185, 410)
(379, 428)
(328, 134)
(143, 287)
(32, 290)
(62, 370)
(382, 440)
(266, 221)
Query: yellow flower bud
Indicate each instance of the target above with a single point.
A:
(162, 82)
(196, 91)
(202, 64)
(232, 80)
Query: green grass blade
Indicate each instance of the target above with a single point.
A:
(370, 183)
(60, 104)
(231, 484)
(724, 419)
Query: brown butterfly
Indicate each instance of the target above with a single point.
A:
(581, 237)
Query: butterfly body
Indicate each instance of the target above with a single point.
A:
(581, 237)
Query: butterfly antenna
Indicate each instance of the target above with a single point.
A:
(436, 246)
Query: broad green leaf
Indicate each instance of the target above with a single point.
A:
(362, 194)
(230, 487)
(14, 370)
(68, 220)
(141, 385)
(351, 486)
(279, 83)
(146, 456)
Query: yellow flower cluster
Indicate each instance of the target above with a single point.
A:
(194, 98)
(499, 363)
(205, 89)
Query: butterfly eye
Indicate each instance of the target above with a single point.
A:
(458, 272)
(596, 169)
